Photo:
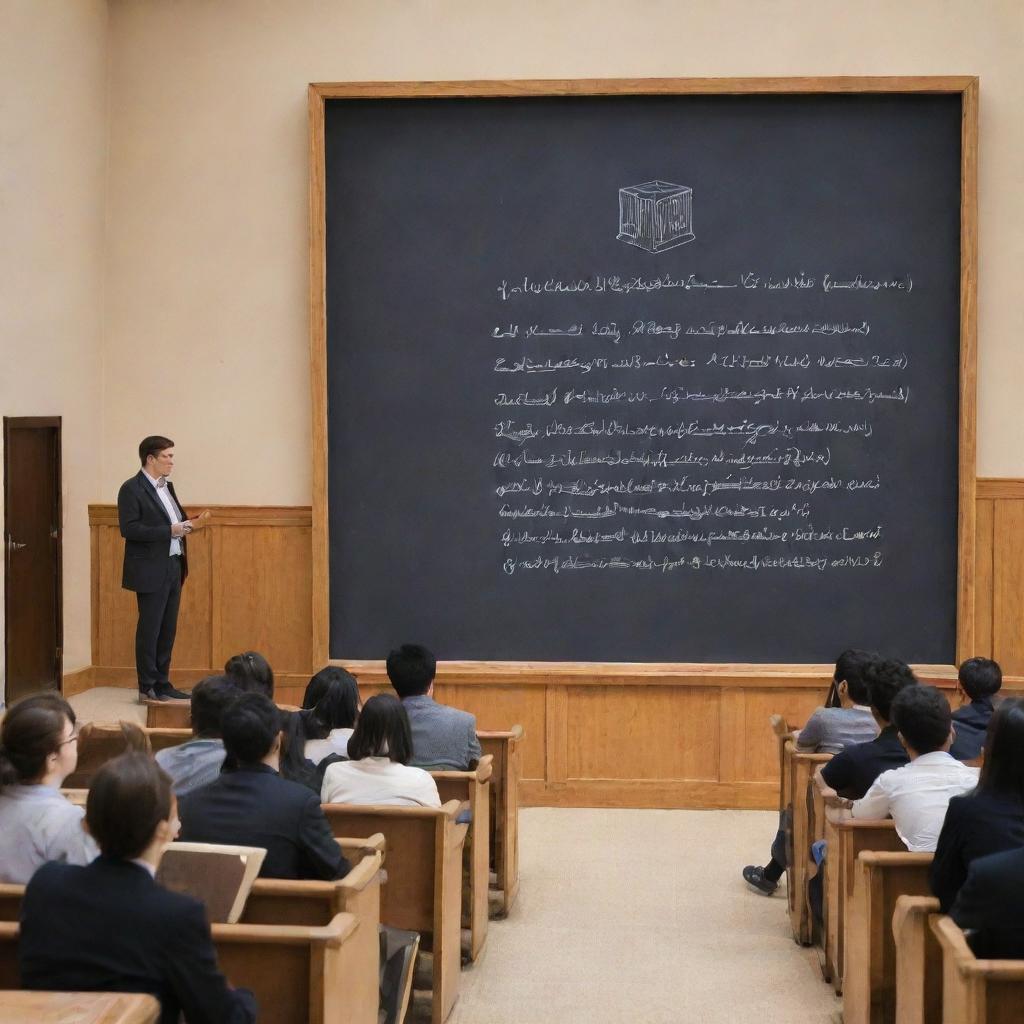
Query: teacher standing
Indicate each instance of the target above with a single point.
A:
(154, 527)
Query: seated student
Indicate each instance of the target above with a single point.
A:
(333, 715)
(844, 720)
(442, 738)
(991, 818)
(197, 762)
(249, 804)
(251, 673)
(978, 681)
(109, 927)
(379, 772)
(38, 751)
(918, 794)
(851, 772)
(849, 720)
(990, 906)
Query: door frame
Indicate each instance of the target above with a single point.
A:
(12, 423)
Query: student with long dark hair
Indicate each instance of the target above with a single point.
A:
(331, 720)
(379, 772)
(38, 751)
(989, 819)
(110, 927)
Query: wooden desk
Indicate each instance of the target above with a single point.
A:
(77, 1008)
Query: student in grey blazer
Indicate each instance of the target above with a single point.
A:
(443, 738)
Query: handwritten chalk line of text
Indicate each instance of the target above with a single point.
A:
(651, 329)
(810, 535)
(792, 456)
(694, 513)
(615, 284)
(674, 395)
(746, 430)
(723, 360)
(682, 485)
(754, 563)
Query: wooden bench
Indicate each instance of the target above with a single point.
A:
(100, 742)
(847, 838)
(423, 892)
(177, 714)
(299, 974)
(869, 977)
(77, 1008)
(506, 750)
(473, 788)
(800, 769)
(162, 738)
(918, 961)
(976, 991)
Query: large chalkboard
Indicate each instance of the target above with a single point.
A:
(643, 378)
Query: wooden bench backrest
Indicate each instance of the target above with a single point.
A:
(869, 976)
(424, 885)
(474, 788)
(79, 1007)
(800, 769)
(100, 742)
(506, 750)
(847, 838)
(918, 961)
(976, 991)
(296, 973)
(161, 739)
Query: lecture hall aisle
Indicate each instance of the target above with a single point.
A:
(641, 917)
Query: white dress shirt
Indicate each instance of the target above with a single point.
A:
(379, 780)
(917, 796)
(164, 497)
(335, 743)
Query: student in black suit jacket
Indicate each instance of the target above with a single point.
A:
(154, 527)
(991, 906)
(990, 819)
(251, 805)
(109, 927)
(978, 681)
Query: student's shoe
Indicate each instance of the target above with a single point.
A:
(754, 877)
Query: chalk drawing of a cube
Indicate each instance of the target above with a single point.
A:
(656, 215)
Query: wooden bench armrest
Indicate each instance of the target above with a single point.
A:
(896, 858)
(332, 934)
(515, 734)
(811, 756)
(363, 873)
(483, 771)
(459, 833)
(954, 944)
(363, 847)
(908, 907)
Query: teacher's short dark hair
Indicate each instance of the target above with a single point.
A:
(128, 798)
(153, 445)
(248, 727)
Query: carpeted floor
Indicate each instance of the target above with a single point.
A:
(627, 917)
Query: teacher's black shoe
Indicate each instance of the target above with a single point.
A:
(164, 691)
(149, 694)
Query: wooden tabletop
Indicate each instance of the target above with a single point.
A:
(77, 1008)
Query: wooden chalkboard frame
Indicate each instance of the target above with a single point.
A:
(966, 87)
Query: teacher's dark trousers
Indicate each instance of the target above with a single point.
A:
(154, 634)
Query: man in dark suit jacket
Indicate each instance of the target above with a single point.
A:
(991, 906)
(110, 927)
(154, 527)
(251, 805)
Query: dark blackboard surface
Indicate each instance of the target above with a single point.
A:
(434, 204)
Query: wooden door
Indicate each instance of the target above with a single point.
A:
(32, 554)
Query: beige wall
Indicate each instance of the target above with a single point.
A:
(53, 144)
(206, 264)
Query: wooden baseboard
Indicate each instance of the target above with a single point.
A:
(286, 684)
(694, 795)
(76, 682)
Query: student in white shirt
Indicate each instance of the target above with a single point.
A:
(332, 698)
(38, 751)
(379, 772)
(918, 794)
